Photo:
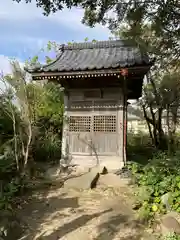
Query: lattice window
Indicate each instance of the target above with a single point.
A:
(80, 124)
(104, 123)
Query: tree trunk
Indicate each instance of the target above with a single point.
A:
(169, 130)
(157, 135)
(162, 137)
(148, 124)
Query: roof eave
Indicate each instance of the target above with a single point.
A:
(40, 72)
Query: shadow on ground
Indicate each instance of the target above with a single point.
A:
(52, 213)
(73, 225)
(117, 224)
(36, 209)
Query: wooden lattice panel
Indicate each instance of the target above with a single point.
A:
(105, 123)
(80, 124)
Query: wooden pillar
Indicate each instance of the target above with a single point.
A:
(64, 146)
(125, 129)
(120, 127)
(124, 73)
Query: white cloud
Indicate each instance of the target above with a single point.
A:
(5, 66)
(26, 12)
(25, 29)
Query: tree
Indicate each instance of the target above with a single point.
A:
(20, 114)
(6, 128)
(164, 15)
(30, 131)
(160, 93)
(47, 109)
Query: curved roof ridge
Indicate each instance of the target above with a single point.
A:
(40, 66)
(94, 56)
(97, 44)
(52, 62)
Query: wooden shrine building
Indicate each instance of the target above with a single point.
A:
(98, 79)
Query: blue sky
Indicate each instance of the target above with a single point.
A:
(24, 30)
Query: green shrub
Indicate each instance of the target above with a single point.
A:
(47, 148)
(161, 175)
(172, 236)
(139, 147)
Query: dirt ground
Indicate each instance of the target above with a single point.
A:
(67, 214)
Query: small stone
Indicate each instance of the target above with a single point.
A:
(14, 230)
(165, 200)
(137, 206)
(87, 180)
(104, 171)
(170, 224)
(94, 181)
(111, 180)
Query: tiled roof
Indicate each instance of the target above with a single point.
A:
(95, 56)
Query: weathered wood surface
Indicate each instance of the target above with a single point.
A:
(95, 124)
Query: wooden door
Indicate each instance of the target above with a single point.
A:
(104, 132)
(80, 135)
(93, 128)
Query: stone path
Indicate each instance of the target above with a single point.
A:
(98, 214)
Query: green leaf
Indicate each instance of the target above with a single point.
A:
(34, 59)
(178, 185)
(49, 46)
(48, 60)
